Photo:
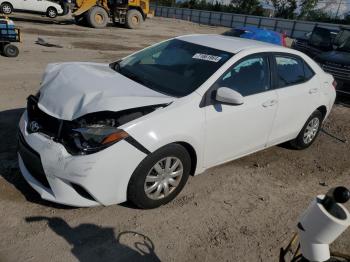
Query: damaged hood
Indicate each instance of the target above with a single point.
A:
(71, 90)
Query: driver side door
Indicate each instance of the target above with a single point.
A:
(236, 130)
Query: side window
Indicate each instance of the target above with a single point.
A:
(248, 77)
(290, 71)
(309, 73)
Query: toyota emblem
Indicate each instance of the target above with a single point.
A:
(34, 126)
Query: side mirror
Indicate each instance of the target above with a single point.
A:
(228, 96)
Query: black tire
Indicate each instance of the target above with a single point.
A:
(136, 188)
(299, 142)
(10, 50)
(51, 12)
(6, 8)
(97, 17)
(133, 19)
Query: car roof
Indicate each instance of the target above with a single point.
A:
(227, 43)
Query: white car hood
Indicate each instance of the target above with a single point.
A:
(71, 90)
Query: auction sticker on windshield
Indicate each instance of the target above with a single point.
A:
(211, 58)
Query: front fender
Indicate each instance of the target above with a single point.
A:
(182, 121)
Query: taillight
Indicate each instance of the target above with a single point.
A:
(334, 84)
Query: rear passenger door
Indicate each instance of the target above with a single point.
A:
(298, 95)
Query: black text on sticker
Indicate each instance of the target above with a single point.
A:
(211, 58)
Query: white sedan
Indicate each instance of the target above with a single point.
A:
(99, 134)
(49, 8)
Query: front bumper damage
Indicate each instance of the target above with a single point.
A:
(84, 180)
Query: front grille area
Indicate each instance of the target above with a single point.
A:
(337, 72)
(46, 123)
(32, 161)
(57, 129)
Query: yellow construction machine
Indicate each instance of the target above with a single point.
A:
(97, 13)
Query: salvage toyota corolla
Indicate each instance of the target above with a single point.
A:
(99, 134)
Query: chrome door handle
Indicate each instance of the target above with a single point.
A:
(270, 103)
(313, 90)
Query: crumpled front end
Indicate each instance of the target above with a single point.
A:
(72, 150)
(100, 178)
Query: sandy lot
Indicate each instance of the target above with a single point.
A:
(245, 210)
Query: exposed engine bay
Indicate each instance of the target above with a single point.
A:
(87, 134)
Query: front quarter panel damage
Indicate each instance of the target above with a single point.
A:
(178, 122)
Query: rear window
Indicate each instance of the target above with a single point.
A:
(292, 71)
(321, 37)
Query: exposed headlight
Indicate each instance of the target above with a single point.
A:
(93, 138)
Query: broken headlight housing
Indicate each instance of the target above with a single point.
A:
(96, 131)
(93, 138)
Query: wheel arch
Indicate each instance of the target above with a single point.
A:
(51, 7)
(323, 110)
(193, 155)
(84, 9)
(6, 2)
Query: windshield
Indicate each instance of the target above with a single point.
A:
(343, 41)
(320, 37)
(174, 67)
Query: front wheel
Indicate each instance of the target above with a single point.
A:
(160, 177)
(97, 17)
(309, 132)
(51, 12)
(6, 8)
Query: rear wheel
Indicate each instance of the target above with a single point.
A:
(133, 19)
(51, 12)
(309, 132)
(160, 177)
(10, 50)
(6, 8)
(97, 17)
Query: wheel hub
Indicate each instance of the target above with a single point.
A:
(311, 130)
(98, 18)
(135, 20)
(6, 9)
(163, 178)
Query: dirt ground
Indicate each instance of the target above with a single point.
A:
(245, 210)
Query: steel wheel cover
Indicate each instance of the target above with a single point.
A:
(163, 178)
(6, 9)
